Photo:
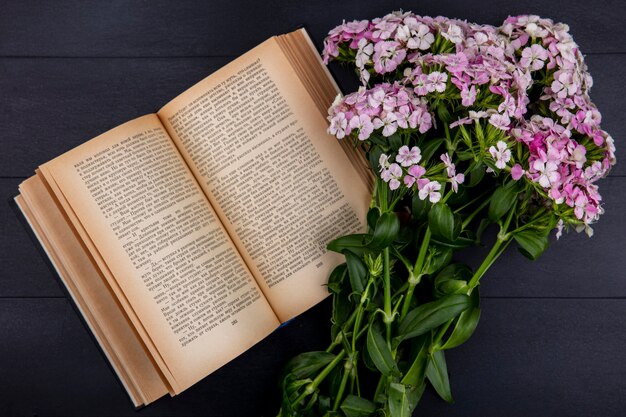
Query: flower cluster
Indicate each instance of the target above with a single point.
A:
(387, 107)
(523, 87)
(466, 127)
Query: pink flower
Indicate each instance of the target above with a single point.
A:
(564, 84)
(416, 35)
(392, 175)
(456, 180)
(501, 154)
(387, 56)
(389, 124)
(533, 57)
(363, 124)
(414, 174)
(548, 172)
(338, 126)
(437, 81)
(501, 121)
(517, 172)
(430, 190)
(407, 157)
(468, 96)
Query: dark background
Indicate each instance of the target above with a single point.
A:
(551, 340)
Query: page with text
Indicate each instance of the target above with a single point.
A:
(283, 187)
(166, 248)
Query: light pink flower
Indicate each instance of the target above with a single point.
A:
(501, 154)
(363, 124)
(430, 190)
(501, 121)
(338, 126)
(407, 157)
(517, 172)
(548, 172)
(414, 173)
(389, 124)
(533, 57)
(437, 81)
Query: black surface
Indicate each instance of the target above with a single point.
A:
(552, 336)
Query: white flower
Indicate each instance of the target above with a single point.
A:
(430, 190)
(407, 157)
(548, 172)
(501, 154)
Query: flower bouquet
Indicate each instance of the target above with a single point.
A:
(467, 127)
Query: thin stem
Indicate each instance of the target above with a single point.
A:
(503, 239)
(387, 294)
(419, 264)
(416, 275)
(310, 389)
(480, 197)
(342, 387)
(469, 218)
(440, 334)
(486, 263)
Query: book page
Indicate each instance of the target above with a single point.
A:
(88, 289)
(165, 247)
(283, 187)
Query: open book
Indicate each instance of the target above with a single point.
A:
(187, 236)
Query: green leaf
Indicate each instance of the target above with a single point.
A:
(374, 157)
(439, 257)
(419, 208)
(458, 243)
(395, 141)
(501, 201)
(437, 374)
(357, 271)
(415, 375)
(465, 324)
(354, 406)
(372, 217)
(482, 226)
(306, 364)
(465, 155)
(367, 359)
(398, 400)
(386, 231)
(342, 307)
(476, 175)
(380, 353)
(357, 243)
(379, 140)
(466, 137)
(335, 280)
(452, 279)
(442, 222)
(429, 148)
(444, 113)
(532, 243)
(430, 315)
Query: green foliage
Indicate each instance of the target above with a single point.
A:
(400, 301)
(431, 315)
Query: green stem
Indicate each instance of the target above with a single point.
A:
(469, 218)
(310, 389)
(503, 238)
(419, 264)
(486, 263)
(440, 334)
(416, 275)
(480, 197)
(387, 294)
(345, 326)
(342, 387)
